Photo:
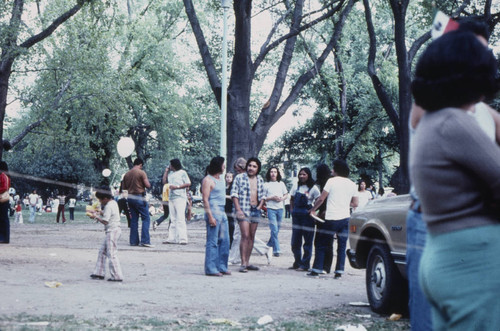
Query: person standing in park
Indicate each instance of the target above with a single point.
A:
(229, 205)
(135, 182)
(71, 206)
(60, 208)
(248, 199)
(110, 217)
(4, 204)
(340, 194)
(259, 246)
(33, 199)
(164, 199)
(214, 199)
(178, 181)
(275, 192)
(303, 194)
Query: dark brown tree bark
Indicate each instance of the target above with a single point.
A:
(399, 119)
(243, 138)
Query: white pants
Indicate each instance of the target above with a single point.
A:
(177, 233)
(108, 250)
(19, 217)
(234, 254)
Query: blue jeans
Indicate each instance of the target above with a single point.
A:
(302, 228)
(138, 206)
(32, 214)
(416, 232)
(341, 229)
(323, 245)
(165, 213)
(275, 216)
(217, 247)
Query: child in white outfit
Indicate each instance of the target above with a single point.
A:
(111, 220)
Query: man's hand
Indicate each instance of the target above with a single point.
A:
(240, 215)
(212, 221)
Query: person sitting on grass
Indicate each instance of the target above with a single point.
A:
(110, 217)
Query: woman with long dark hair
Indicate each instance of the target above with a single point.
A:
(275, 192)
(303, 194)
(323, 173)
(213, 191)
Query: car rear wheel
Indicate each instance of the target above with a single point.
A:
(384, 285)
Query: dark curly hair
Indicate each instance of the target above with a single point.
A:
(455, 70)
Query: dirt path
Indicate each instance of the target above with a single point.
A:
(165, 282)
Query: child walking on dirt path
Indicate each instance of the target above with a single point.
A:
(111, 220)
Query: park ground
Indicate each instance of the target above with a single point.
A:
(45, 285)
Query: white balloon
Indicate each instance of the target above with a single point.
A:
(125, 146)
(106, 172)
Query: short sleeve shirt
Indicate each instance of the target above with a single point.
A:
(272, 189)
(312, 193)
(340, 190)
(177, 178)
(133, 181)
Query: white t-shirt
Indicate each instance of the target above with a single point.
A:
(312, 195)
(484, 119)
(274, 189)
(364, 197)
(111, 214)
(340, 190)
(33, 198)
(177, 178)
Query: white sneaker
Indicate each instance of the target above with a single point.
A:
(269, 255)
(155, 225)
(147, 245)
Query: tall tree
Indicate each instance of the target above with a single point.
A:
(243, 137)
(12, 48)
(398, 112)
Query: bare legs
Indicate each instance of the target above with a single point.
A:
(247, 230)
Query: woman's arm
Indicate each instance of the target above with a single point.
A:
(207, 185)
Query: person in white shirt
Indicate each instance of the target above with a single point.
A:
(33, 200)
(340, 194)
(275, 193)
(363, 195)
(178, 181)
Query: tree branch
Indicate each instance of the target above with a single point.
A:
(264, 51)
(206, 57)
(377, 84)
(53, 26)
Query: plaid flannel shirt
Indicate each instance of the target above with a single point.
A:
(241, 190)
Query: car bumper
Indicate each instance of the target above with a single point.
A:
(351, 255)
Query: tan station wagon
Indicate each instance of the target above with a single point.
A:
(377, 238)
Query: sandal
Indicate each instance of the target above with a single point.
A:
(252, 267)
(243, 269)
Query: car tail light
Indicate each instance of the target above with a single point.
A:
(353, 228)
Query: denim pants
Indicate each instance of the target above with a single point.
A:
(416, 232)
(165, 213)
(323, 245)
(325, 242)
(32, 214)
(217, 246)
(459, 276)
(138, 207)
(275, 216)
(302, 229)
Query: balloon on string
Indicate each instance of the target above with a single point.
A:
(106, 172)
(125, 146)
